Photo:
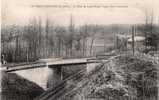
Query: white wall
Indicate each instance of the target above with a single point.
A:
(36, 75)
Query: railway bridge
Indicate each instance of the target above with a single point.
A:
(49, 72)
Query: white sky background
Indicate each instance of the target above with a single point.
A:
(20, 11)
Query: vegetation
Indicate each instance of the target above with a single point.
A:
(37, 40)
(126, 77)
(15, 87)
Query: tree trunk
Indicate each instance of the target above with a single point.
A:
(91, 47)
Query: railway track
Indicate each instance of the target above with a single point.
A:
(61, 89)
(53, 93)
(74, 90)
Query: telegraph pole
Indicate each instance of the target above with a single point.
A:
(133, 44)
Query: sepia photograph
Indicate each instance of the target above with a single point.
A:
(79, 50)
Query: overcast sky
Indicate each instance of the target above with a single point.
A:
(132, 11)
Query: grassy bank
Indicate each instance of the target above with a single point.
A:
(15, 87)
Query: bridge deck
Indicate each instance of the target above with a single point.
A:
(46, 62)
(68, 62)
(24, 67)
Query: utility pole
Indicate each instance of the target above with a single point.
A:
(133, 44)
(117, 43)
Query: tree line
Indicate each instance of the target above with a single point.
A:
(39, 40)
(36, 40)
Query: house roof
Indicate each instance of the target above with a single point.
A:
(137, 39)
(123, 36)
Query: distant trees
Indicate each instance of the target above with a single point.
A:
(84, 34)
(34, 41)
(150, 31)
(151, 36)
(44, 39)
(11, 36)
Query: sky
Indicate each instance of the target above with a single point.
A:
(20, 12)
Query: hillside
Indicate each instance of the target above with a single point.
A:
(126, 77)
